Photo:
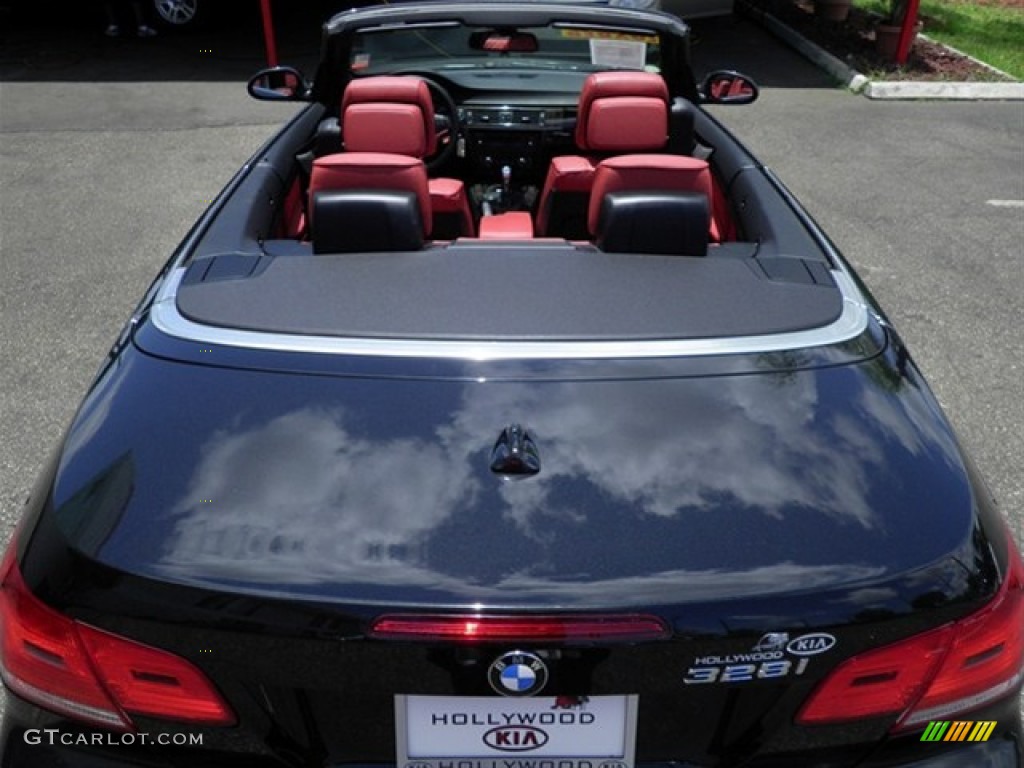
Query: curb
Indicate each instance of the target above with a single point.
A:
(910, 89)
(838, 69)
(856, 82)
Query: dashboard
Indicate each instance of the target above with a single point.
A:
(520, 137)
(513, 117)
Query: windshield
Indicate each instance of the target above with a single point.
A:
(453, 45)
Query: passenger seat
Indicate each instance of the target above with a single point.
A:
(619, 112)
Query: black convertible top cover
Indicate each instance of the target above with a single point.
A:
(541, 292)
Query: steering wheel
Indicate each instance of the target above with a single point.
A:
(446, 124)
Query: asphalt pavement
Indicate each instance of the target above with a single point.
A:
(109, 149)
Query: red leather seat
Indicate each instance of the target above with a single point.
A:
(648, 173)
(371, 171)
(395, 115)
(618, 112)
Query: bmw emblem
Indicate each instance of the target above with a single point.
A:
(518, 673)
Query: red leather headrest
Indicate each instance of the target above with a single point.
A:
(376, 99)
(622, 112)
(380, 127)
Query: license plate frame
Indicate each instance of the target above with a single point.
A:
(487, 731)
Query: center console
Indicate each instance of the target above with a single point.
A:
(521, 138)
(507, 150)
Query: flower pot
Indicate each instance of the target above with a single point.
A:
(832, 10)
(887, 39)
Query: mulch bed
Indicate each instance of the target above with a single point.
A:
(853, 42)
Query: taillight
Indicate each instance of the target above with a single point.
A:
(986, 658)
(43, 660)
(881, 682)
(594, 628)
(91, 675)
(937, 674)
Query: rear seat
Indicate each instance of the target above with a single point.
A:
(380, 186)
(666, 223)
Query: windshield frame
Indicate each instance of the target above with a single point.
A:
(438, 46)
(339, 34)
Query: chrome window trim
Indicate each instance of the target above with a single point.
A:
(851, 323)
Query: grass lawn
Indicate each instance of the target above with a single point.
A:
(989, 30)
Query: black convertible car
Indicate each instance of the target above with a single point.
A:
(505, 412)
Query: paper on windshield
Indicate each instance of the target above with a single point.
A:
(618, 54)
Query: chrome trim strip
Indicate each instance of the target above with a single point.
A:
(401, 26)
(852, 322)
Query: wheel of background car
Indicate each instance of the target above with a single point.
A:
(176, 12)
(446, 124)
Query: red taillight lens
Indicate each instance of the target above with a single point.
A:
(91, 675)
(934, 675)
(43, 660)
(151, 682)
(614, 628)
(881, 682)
(986, 658)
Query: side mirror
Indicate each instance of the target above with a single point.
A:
(726, 87)
(278, 84)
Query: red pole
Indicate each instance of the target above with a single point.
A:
(269, 38)
(907, 32)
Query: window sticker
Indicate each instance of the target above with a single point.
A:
(618, 54)
(608, 34)
(360, 61)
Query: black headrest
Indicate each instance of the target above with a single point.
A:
(670, 223)
(360, 221)
(328, 137)
(681, 137)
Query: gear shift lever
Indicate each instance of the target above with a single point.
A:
(506, 185)
(498, 199)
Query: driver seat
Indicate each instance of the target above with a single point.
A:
(395, 115)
